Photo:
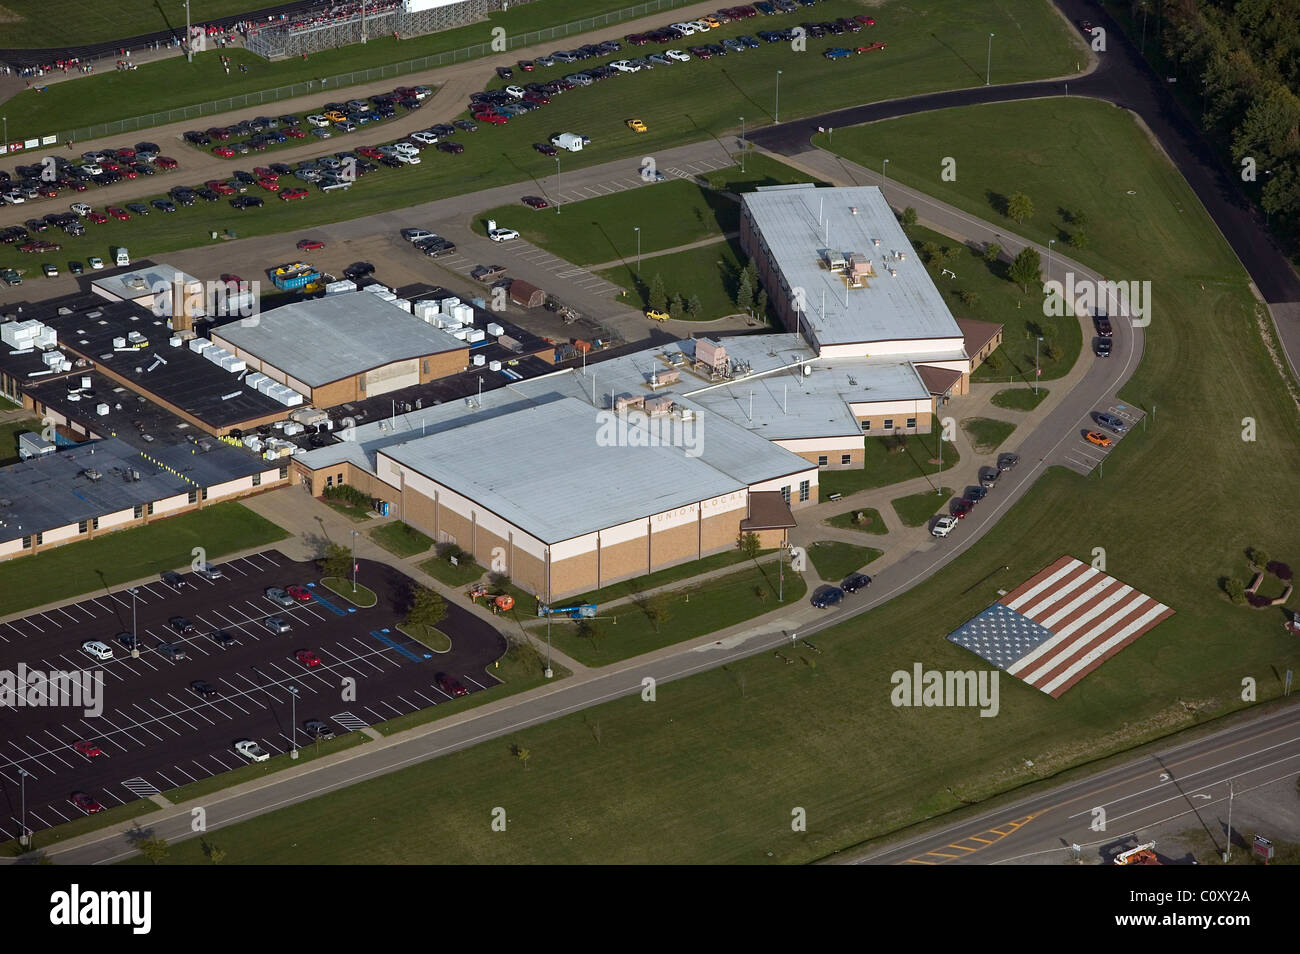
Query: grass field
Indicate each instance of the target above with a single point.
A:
(359, 595)
(602, 229)
(889, 460)
(1019, 399)
(93, 565)
(711, 272)
(871, 523)
(401, 539)
(349, 510)
(9, 431)
(430, 636)
(834, 560)
(760, 170)
(117, 815)
(685, 103)
(462, 575)
(986, 433)
(915, 510)
(629, 630)
(308, 750)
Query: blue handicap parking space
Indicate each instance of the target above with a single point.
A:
(337, 610)
(383, 637)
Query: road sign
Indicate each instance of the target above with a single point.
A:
(1264, 848)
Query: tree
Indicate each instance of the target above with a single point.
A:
(1020, 207)
(750, 546)
(695, 306)
(908, 218)
(427, 607)
(745, 293)
(212, 852)
(1026, 269)
(1258, 558)
(153, 848)
(337, 561)
(589, 629)
(1051, 351)
(1079, 238)
(1236, 590)
(930, 253)
(992, 252)
(655, 609)
(658, 297)
(522, 754)
(969, 298)
(675, 306)
(760, 303)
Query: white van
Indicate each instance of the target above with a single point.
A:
(568, 141)
(98, 649)
(122, 256)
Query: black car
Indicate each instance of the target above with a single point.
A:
(183, 196)
(139, 208)
(162, 205)
(144, 169)
(1103, 326)
(1101, 347)
(1007, 462)
(465, 125)
(281, 168)
(989, 477)
(358, 270)
(975, 494)
(148, 147)
(318, 730)
(290, 121)
(453, 147)
(858, 581)
(246, 202)
(207, 195)
(181, 625)
(173, 579)
(172, 651)
(505, 72)
(129, 640)
(390, 161)
(442, 129)
(204, 688)
(245, 177)
(221, 637)
(827, 597)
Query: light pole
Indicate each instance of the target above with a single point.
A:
(742, 145)
(135, 639)
(637, 230)
(780, 586)
(548, 643)
(1227, 855)
(354, 560)
(189, 45)
(363, 21)
(293, 721)
(5, 144)
(23, 839)
(1050, 243)
(883, 164)
(988, 64)
(776, 112)
(1037, 371)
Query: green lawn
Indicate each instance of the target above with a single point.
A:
(915, 510)
(357, 594)
(430, 636)
(685, 103)
(890, 460)
(711, 272)
(108, 818)
(688, 779)
(760, 170)
(9, 431)
(834, 560)
(628, 630)
(351, 511)
(441, 570)
(308, 750)
(1019, 399)
(94, 565)
(871, 521)
(986, 433)
(401, 539)
(603, 229)
(649, 581)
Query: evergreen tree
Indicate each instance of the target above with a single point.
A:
(658, 297)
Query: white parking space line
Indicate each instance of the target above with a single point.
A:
(413, 706)
(60, 745)
(424, 697)
(69, 615)
(185, 773)
(137, 725)
(340, 661)
(385, 702)
(378, 717)
(103, 740)
(28, 621)
(40, 819)
(359, 658)
(231, 566)
(193, 710)
(157, 720)
(286, 678)
(224, 766)
(203, 768)
(26, 758)
(108, 794)
(170, 783)
(475, 681)
(53, 808)
(249, 693)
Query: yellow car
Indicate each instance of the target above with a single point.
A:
(335, 116)
(1098, 438)
(712, 21)
(636, 125)
(656, 315)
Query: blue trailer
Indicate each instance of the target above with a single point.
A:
(582, 611)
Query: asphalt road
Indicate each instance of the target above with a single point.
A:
(1110, 811)
(156, 733)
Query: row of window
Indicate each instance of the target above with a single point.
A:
(805, 490)
(330, 480)
(889, 425)
(823, 460)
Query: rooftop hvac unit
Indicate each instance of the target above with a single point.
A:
(254, 379)
(195, 344)
(119, 342)
(135, 337)
(338, 288)
(480, 360)
(101, 410)
(494, 329)
(85, 381)
(476, 335)
(492, 366)
(175, 341)
(449, 303)
(460, 334)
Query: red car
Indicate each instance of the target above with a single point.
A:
(535, 202)
(99, 218)
(307, 658)
(48, 191)
(962, 507)
(220, 187)
(85, 803)
(546, 149)
(110, 167)
(117, 213)
(225, 152)
(232, 279)
(636, 39)
(270, 185)
(370, 152)
(496, 119)
(299, 593)
(89, 749)
(871, 49)
(130, 173)
(865, 20)
(526, 65)
(287, 194)
(166, 162)
(310, 245)
(265, 173)
(293, 133)
(541, 99)
(451, 686)
(125, 153)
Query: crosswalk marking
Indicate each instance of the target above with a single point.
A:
(349, 721)
(140, 788)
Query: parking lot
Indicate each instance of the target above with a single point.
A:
(156, 732)
(1081, 455)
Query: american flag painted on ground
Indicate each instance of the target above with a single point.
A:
(1060, 625)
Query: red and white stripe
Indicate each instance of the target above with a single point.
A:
(1091, 616)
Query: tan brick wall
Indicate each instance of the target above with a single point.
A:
(675, 545)
(621, 560)
(444, 365)
(528, 571)
(484, 541)
(770, 539)
(833, 458)
(574, 575)
(899, 421)
(419, 511)
(721, 531)
(456, 525)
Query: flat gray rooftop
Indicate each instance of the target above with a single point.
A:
(144, 279)
(329, 338)
(799, 223)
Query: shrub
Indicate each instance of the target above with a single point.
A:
(348, 494)
(1258, 601)
(1280, 570)
(1258, 557)
(1236, 590)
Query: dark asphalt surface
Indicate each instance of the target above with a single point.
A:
(156, 733)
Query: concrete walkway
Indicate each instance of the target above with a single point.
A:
(711, 240)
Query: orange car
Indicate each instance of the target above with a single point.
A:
(1098, 438)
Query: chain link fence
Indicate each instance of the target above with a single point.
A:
(217, 106)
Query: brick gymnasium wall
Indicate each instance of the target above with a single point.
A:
(857, 458)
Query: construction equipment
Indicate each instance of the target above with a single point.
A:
(582, 611)
(294, 276)
(1141, 855)
(502, 602)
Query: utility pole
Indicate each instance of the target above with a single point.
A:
(883, 164)
(363, 21)
(1037, 371)
(776, 113)
(189, 37)
(293, 720)
(742, 145)
(1227, 855)
(988, 66)
(548, 642)
(354, 561)
(1050, 243)
(23, 838)
(637, 230)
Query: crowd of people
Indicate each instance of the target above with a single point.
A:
(318, 16)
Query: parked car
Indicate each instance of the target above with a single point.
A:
(1007, 462)
(943, 526)
(87, 748)
(85, 803)
(1097, 439)
(251, 750)
(276, 624)
(172, 651)
(307, 658)
(827, 597)
(858, 581)
(221, 637)
(961, 507)
(1111, 422)
(1101, 347)
(450, 685)
(299, 593)
(204, 688)
(278, 595)
(181, 624)
(97, 649)
(317, 729)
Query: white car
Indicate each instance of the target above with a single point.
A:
(425, 138)
(95, 262)
(625, 66)
(13, 198)
(418, 235)
(690, 29)
(516, 91)
(319, 121)
(405, 149)
(92, 169)
(98, 649)
(701, 26)
(677, 55)
(251, 750)
(81, 208)
(409, 160)
(502, 235)
(943, 526)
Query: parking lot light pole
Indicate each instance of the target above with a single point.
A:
(637, 230)
(548, 643)
(742, 145)
(135, 639)
(23, 838)
(189, 45)
(557, 185)
(1050, 243)
(293, 720)
(5, 144)
(988, 65)
(883, 164)
(1037, 372)
(776, 112)
(354, 561)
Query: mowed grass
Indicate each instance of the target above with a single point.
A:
(401, 539)
(835, 560)
(650, 581)
(1019, 399)
(710, 273)
(94, 565)
(760, 170)
(462, 574)
(890, 460)
(871, 521)
(603, 229)
(124, 814)
(915, 510)
(9, 431)
(689, 102)
(986, 433)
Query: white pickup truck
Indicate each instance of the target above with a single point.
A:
(251, 750)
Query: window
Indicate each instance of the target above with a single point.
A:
(204, 493)
(194, 496)
(284, 471)
(889, 423)
(866, 426)
(94, 524)
(785, 493)
(822, 460)
(426, 365)
(82, 527)
(846, 458)
(27, 543)
(139, 511)
(805, 488)
(329, 480)
(340, 478)
(361, 383)
(150, 508)
(40, 538)
(911, 423)
(257, 479)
